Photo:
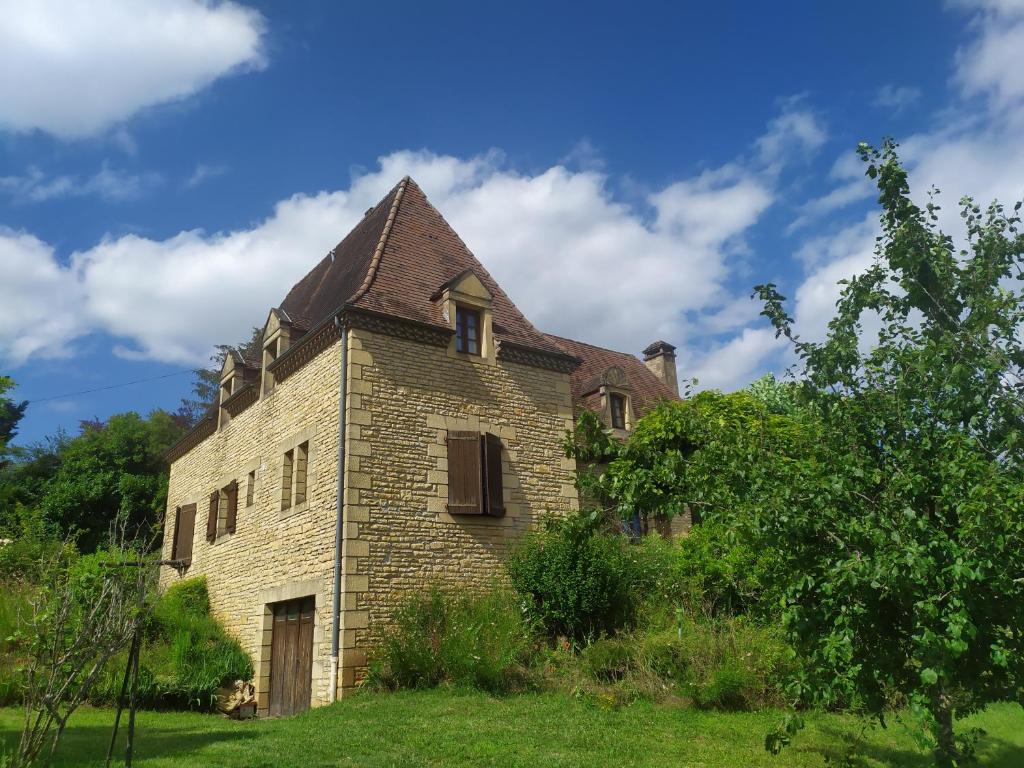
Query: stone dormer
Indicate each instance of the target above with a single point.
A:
(467, 307)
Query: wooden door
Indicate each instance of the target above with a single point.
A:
(291, 656)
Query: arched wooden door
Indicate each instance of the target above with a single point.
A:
(291, 656)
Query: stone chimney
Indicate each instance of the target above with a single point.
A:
(660, 359)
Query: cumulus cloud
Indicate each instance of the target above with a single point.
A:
(95, 64)
(657, 269)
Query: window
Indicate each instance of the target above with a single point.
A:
(474, 474)
(250, 489)
(184, 529)
(293, 476)
(618, 409)
(223, 515)
(467, 330)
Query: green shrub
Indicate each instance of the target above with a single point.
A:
(14, 597)
(479, 641)
(726, 663)
(186, 656)
(711, 571)
(578, 581)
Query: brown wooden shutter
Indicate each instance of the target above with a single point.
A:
(185, 531)
(495, 499)
(232, 515)
(174, 538)
(465, 478)
(211, 519)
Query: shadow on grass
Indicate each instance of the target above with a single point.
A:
(87, 744)
(993, 752)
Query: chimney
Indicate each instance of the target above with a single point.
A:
(660, 359)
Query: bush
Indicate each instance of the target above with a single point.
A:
(13, 601)
(186, 655)
(479, 641)
(726, 663)
(578, 581)
(712, 571)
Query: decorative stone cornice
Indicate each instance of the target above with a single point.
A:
(305, 349)
(206, 427)
(410, 330)
(552, 361)
(242, 399)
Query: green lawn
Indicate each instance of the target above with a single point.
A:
(438, 728)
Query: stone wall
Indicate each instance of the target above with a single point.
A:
(399, 538)
(272, 555)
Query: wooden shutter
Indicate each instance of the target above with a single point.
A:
(184, 530)
(465, 477)
(495, 498)
(174, 538)
(211, 519)
(232, 514)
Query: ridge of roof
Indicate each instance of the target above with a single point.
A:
(383, 241)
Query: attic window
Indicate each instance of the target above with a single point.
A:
(617, 404)
(467, 330)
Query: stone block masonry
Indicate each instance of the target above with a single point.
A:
(398, 538)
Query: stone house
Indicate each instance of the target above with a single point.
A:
(402, 426)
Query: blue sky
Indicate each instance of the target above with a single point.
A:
(169, 169)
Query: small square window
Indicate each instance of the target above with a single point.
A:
(618, 410)
(467, 330)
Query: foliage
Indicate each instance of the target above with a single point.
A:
(10, 414)
(206, 381)
(709, 454)
(904, 532)
(578, 581)
(34, 541)
(111, 472)
(80, 614)
(725, 663)
(23, 480)
(712, 571)
(186, 655)
(778, 397)
(471, 640)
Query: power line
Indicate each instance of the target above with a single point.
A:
(111, 386)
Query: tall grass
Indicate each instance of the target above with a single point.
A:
(479, 641)
(186, 655)
(14, 597)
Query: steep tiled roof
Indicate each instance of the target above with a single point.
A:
(645, 388)
(393, 263)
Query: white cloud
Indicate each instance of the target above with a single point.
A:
(838, 198)
(740, 360)
(203, 173)
(795, 132)
(110, 184)
(95, 64)
(632, 271)
(896, 97)
(41, 300)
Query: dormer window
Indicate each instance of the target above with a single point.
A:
(467, 330)
(617, 405)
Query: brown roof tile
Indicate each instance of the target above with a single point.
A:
(645, 388)
(394, 261)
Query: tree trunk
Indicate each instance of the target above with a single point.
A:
(946, 755)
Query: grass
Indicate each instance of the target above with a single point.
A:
(445, 728)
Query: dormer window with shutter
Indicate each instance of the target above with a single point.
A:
(475, 474)
(617, 407)
(467, 330)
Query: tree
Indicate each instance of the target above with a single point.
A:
(206, 381)
(10, 414)
(904, 531)
(710, 454)
(115, 471)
